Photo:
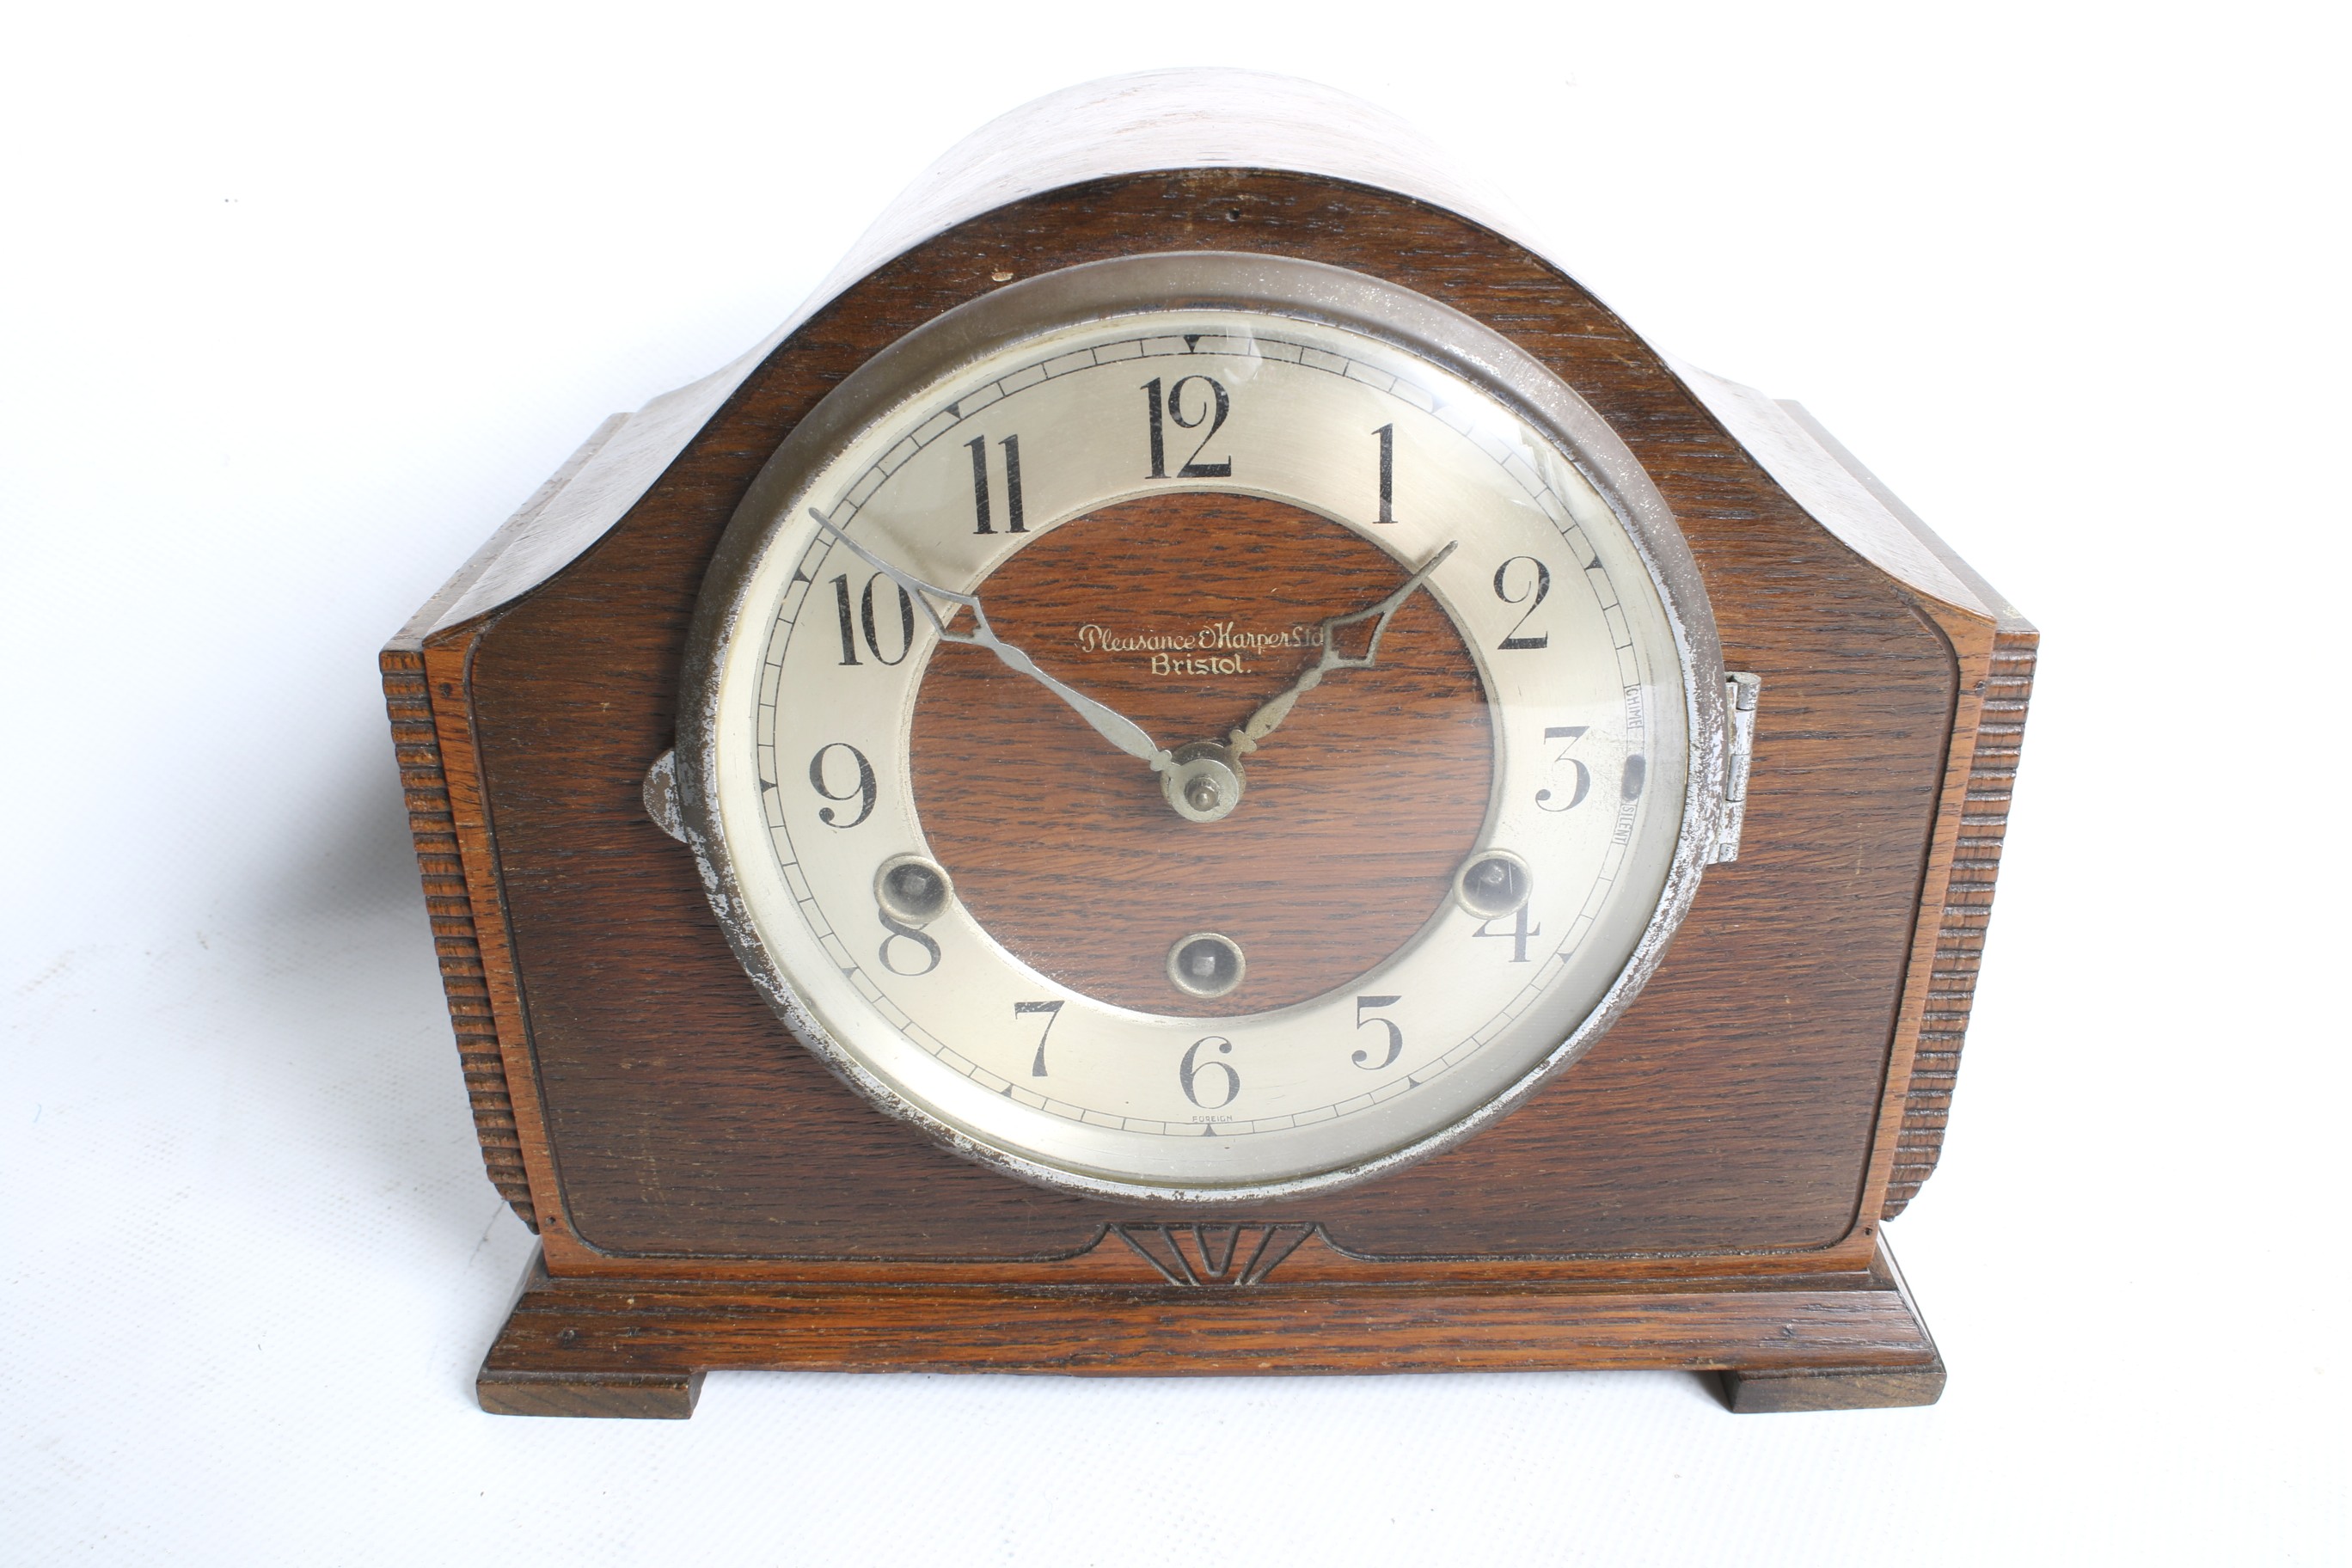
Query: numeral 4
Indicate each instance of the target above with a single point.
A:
(1517, 936)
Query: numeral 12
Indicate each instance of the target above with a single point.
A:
(1213, 413)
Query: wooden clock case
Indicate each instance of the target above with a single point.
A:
(1702, 1190)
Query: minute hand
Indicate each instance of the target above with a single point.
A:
(1112, 726)
(1262, 722)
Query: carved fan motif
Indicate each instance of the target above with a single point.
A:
(1213, 1254)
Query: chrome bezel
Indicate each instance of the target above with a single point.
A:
(1276, 285)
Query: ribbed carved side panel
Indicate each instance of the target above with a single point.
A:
(434, 829)
(1967, 908)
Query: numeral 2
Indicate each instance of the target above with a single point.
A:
(1218, 403)
(1518, 639)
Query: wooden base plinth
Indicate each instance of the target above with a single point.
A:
(639, 1347)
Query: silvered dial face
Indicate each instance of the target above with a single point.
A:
(1194, 753)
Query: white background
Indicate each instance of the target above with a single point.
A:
(297, 303)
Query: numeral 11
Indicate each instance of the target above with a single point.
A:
(1012, 444)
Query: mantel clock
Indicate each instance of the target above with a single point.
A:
(1206, 765)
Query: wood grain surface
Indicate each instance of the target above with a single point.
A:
(1740, 1110)
(1356, 811)
(1966, 913)
(630, 1348)
(423, 783)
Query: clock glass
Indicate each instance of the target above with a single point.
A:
(1200, 728)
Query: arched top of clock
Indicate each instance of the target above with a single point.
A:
(1154, 120)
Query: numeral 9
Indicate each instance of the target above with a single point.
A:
(862, 792)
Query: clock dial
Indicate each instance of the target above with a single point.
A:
(1202, 751)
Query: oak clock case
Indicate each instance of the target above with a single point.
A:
(1222, 367)
(1436, 676)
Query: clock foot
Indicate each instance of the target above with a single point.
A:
(657, 1396)
(1774, 1392)
(1778, 1388)
(561, 1356)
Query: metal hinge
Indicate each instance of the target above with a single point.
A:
(1739, 690)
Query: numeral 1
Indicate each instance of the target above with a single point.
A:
(1158, 436)
(1387, 433)
(848, 620)
(1012, 444)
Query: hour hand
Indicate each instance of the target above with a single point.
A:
(1112, 726)
(1262, 723)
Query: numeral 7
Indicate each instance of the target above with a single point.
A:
(1052, 1010)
